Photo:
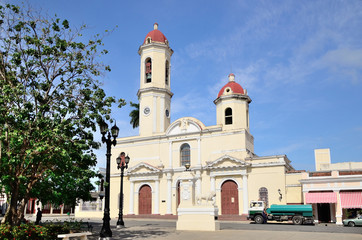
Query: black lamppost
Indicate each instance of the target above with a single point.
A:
(122, 163)
(106, 232)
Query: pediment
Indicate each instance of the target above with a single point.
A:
(227, 161)
(185, 126)
(143, 169)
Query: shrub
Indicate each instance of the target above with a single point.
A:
(48, 231)
(24, 231)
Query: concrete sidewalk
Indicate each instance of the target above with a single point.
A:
(166, 229)
(154, 232)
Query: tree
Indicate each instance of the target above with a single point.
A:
(50, 103)
(135, 114)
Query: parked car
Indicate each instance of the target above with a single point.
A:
(351, 222)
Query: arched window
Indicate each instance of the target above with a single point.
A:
(185, 154)
(167, 72)
(228, 116)
(148, 70)
(263, 195)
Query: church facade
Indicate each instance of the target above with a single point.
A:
(221, 157)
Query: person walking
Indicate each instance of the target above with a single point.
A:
(38, 217)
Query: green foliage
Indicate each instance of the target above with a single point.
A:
(50, 104)
(48, 231)
(135, 114)
(25, 231)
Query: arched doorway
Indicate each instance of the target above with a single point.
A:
(145, 200)
(229, 198)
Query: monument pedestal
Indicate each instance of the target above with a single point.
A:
(194, 215)
(199, 218)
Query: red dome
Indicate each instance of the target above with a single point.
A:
(235, 87)
(156, 35)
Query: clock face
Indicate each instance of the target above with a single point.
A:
(167, 112)
(146, 110)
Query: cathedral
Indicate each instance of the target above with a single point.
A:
(221, 157)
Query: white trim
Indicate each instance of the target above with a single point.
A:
(229, 179)
(133, 170)
(229, 173)
(212, 183)
(293, 185)
(307, 189)
(329, 179)
(162, 138)
(170, 154)
(242, 163)
(270, 164)
(162, 114)
(141, 184)
(245, 194)
(169, 194)
(154, 94)
(157, 197)
(144, 179)
(151, 50)
(199, 150)
(131, 198)
(225, 102)
(154, 114)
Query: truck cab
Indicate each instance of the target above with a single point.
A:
(255, 212)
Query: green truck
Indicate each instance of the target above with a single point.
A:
(298, 214)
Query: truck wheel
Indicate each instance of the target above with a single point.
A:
(297, 220)
(351, 224)
(259, 219)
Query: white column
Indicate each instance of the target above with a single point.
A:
(339, 210)
(198, 183)
(170, 155)
(245, 194)
(157, 194)
(169, 194)
(212, 183)
(199, 153)
(131, 199)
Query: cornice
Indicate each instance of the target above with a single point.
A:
(155, 45)
(154, 89)
(311, 180)
(232, 96)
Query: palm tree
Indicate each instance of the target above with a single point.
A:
(135, 114)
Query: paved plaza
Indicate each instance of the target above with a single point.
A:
(166, 229)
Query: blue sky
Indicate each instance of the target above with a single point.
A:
(301, 62)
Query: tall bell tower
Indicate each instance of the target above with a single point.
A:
(155, 84)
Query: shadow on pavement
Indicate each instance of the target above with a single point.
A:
(130, 233)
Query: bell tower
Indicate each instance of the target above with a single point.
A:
(232, 111)
(155, 81)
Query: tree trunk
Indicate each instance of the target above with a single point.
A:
(15, 211)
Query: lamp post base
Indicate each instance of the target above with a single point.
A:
(120, 222)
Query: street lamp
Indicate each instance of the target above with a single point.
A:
(106, 232)
(122, 163)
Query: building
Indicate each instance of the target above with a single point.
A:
(221, 157)
(334, 190)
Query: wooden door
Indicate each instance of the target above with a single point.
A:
(145, 200)
(229, 198)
